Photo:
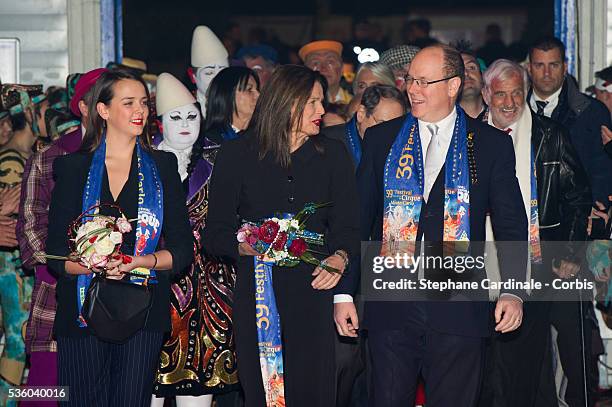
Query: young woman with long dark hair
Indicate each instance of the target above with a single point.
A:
(117, 166)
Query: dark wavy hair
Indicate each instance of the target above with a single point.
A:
(221, 95)
(548, 43)
(372, 95)
(198, 146)
(103, 92)
(289, 86)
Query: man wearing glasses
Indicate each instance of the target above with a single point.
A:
(454, 170)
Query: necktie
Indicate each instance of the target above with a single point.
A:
(541, 105)
(433, 129)
(432, 158)
(508, 131)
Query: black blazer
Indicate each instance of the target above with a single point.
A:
(70, 174)
(496, 190)
(244, 187)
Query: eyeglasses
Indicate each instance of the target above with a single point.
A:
(317, 65)
(422, 83)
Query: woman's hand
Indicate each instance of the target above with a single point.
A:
(324, 280)
(133, 262)
(245, 249)
(113, 270)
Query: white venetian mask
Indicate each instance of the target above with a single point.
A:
(206, 74)
(181, 126)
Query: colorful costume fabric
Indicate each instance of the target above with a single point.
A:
(15, 292)
(12, 164)
(198, 357)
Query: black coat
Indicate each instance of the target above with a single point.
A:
(496, 190)
(70, 174)
(564, 196)
(242, 187)
(583, 117)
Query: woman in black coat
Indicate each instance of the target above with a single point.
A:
(230, 103)
(280, 165)
(138, 180)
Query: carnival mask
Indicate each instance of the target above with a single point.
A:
(181, 126)
(206, 74)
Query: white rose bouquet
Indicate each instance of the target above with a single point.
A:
(95, 239)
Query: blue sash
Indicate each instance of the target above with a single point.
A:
(404, 187)
(269, 334)
(150, 213)
(354, 140)
(535, 250)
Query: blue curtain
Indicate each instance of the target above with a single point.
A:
(111, 27)
(566, 29)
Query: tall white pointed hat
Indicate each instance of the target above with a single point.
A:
(206, 49)
(171, 93)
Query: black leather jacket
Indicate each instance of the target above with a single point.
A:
(564, 195)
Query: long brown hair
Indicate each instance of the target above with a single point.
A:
(103, 92)
(272, 122)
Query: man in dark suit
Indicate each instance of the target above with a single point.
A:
(440, 341)
(523, 358)
(379, 103)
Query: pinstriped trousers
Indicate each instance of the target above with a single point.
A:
(102, 374)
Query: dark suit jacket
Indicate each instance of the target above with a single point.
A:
(70, 174)
(496, 190)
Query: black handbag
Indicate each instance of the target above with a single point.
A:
(115, 309)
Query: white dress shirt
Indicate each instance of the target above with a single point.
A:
(444, 136)
(552, 102)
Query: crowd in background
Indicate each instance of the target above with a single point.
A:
(516, 88)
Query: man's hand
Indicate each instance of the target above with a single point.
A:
(345, 316)
(606, 135)
(566, 269)
(508, 313)
(9, 200)
(598, 212)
